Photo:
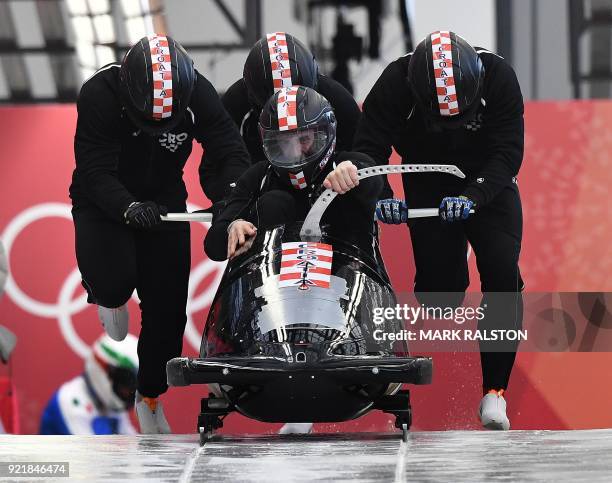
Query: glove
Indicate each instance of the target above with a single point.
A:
(455, 208)
(145, 214)
(392, 211)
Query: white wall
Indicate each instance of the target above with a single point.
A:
(546, 49)
(193, 21)
(474, 20)
(198, 20)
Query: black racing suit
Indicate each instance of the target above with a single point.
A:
(117, 164)
(264, 199)
(489, 150)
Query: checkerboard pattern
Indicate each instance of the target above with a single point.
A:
(287, 108)
(473, 125)
(298, 181)
(443, 72)
(279, 60)
(162, 76)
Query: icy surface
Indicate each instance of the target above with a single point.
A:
(427, 456)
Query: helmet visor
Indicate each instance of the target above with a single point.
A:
(292, 149)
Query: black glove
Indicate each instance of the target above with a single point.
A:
(146, 214)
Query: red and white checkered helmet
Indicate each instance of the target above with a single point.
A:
(156, 81)
(446, 77)
(278, 60)
(298, 132)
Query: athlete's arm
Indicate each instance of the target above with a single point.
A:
(97, 148)
(226, 155)
(504, 121)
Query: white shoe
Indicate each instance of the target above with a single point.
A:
(492, 411)
(151, 417)
(115, 321)
(296, 428)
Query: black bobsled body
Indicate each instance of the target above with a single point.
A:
(290, 336)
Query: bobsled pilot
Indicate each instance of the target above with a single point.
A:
(298, 131)
(136, 124)
(281, 60)
(97, 401)
(450, 103)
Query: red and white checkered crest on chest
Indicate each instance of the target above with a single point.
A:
(298, 180)
(161, 67)
(442, 56)
(287, 109)
(279, 60)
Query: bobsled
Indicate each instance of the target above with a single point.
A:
(291, 334)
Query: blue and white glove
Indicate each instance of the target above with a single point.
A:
(455, 208)
(392, 211)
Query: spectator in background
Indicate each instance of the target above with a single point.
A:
(97, 401)
(7, 344)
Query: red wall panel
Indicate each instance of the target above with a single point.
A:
(564, 185)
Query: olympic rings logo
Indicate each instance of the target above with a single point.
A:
(66, 307)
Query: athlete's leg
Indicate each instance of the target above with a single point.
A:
(439, 249)
(495, 234)
(164, 258)
(105, 253)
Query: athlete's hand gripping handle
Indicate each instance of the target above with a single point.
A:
(311, 229)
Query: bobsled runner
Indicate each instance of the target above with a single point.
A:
(290, 335)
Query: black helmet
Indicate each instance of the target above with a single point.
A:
(446, 77)
(298, 131)
(278, 60)
(157, 78)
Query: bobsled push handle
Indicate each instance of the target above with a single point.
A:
(197, 217)
(311, 229)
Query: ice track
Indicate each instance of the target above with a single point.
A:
(427, 456)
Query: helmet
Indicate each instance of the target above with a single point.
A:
(111, 370)
(446, 77)
(298, 131)
(275, 61)
(156, 81)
